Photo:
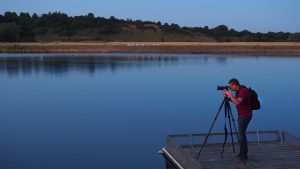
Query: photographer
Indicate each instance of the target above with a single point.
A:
(242, 100)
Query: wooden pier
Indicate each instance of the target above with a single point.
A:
(267, 150)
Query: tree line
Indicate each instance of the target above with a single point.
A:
(224, 34)
(25, 27)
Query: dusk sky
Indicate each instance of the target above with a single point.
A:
(254, 15)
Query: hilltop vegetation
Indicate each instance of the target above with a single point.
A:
(58, 26)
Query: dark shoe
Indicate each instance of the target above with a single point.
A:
(244, 158)
(240, 157)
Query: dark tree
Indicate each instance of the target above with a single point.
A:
(9, 32)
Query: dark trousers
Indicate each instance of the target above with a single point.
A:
(243, 124)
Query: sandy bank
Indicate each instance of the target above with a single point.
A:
(239, 48)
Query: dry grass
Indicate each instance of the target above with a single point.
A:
(87, 43)
(243, 48)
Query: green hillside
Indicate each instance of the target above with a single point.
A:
(130, 32)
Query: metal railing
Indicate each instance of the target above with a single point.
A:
(290, 139)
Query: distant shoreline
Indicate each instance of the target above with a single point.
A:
(222, 48)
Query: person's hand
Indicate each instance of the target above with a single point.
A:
(227, 93)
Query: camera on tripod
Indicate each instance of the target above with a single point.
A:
(222, 87)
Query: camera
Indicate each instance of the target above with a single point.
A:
(222, 87)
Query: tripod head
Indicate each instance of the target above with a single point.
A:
(227, 99)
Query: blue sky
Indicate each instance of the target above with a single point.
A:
(253, 15)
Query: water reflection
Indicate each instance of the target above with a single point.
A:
(58, 65)
(221, 60)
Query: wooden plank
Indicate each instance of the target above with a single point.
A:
(267, 155)
(216, 134)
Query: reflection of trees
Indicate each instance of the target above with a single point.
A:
(221, 60)
(62, 65)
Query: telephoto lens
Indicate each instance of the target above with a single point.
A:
(222, 87)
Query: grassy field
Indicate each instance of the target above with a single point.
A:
(127, 34)
(241, 48)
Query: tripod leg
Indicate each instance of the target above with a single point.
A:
(205, 140)
(229, 121)
(225, 127)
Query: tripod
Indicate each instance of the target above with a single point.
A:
(228, 114)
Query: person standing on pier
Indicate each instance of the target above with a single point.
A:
(242, 100)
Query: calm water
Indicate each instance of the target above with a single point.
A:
(113, 111)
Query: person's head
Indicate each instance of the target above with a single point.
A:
(234, 84)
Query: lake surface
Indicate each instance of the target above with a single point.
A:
(113, 111)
